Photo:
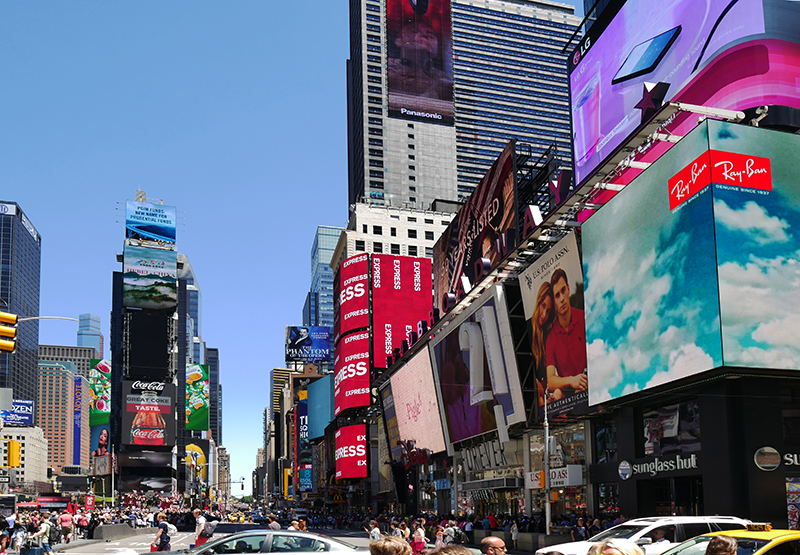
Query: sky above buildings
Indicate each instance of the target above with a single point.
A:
(234, 112)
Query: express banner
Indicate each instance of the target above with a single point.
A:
(401, 297)
(351, 296)
(351, 452)
(351, 370)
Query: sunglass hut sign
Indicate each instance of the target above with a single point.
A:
(658, 466)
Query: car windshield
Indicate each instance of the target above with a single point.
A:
(698, 545)
(621, 531)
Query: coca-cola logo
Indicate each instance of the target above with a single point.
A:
(148, 386)
(147, 436)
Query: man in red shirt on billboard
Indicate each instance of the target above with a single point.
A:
(566, 342)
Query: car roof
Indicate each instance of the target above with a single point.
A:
(774, 534)
(683, 519)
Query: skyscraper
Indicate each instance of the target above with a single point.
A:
(56, 414)
(215, 394)
(89, 334)
(503, 59)
(320, 312)
(194, 302)
(20, 274)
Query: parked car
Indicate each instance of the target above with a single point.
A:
(756, 539)
(274, 541)
(643, 531)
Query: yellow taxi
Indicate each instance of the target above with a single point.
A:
(756, 539)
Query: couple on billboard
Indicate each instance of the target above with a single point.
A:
(558, 330)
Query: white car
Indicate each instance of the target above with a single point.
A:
(646, 532)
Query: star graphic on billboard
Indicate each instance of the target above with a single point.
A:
(652, 99)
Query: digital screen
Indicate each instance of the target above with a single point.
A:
(351, 296)
(150, 278)
(552, 296)
(711, 278)
(302, 455)
(351, 452)
(198, 397)
(485, 227)
(401, 297)
(392, 427)
(419, 49)
(733, 55)
(478, 383)
(151, 223)
(415, 404)
(351, 373)
(320, 406)
(308, 344)
(148, 415)
(149, 341)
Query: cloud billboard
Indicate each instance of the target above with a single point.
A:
(351, 452)
(401, 297)
(419, 49)
(732, 55)
(150, 278)
(484, 228)
(694, 266)
(476, 370)
(308, 344)
(198, 387)
(150, 223)
(552, 296)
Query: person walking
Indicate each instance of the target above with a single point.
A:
(162, 538)
(200, 527)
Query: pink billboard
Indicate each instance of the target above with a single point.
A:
(351, 296)
(351, 372)
(351, 452)
(401, 297)
(732, 55)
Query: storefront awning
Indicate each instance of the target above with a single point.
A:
(493, 483)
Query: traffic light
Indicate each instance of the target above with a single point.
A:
(540, 478)
(8, 331)
(13, 453)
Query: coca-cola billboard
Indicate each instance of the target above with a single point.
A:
(351, 452)
(351, 296)
(351, 379)
(401, 297)
(148, 417)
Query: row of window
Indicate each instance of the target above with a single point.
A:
(559, 68)
(550, 115)
(505, 15)
(513, 90)
(515, 49)
(394, 248)
(536, 75)
(527, 100)
(493, 116)
(501, 21)
(522, 82)
(412, 233)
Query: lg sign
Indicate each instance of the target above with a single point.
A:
(351, 452)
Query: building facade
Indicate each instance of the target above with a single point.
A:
(33, 456)
(509, 80)
(215, 394)
(194, 304)
(318, 309)
(20, 275)
(79, 356)
(57, 412)
(89, 333)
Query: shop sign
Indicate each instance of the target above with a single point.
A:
(656, 467)
(484, 456)
(567, 476)
(769, 459)
(412, 456)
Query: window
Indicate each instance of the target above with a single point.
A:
(410, 135)
(410, 147)
(445, 222)
(412, 178)
(429, 252)
(371, 58)
(412, 189)
(373, 38)
(374, 29)
(375, 152)
(393, 231)
(376, 163)
(371, 17)
(374, 110)
(429, 237)
(374, 131)
(376, 121)
(412, 233)
(375, 100)
(373, 48)
(428, 221)
(411, 219)
(243, 544)
(412, 250)
(412, 168)
(373, 69)
(377, 247)
(412, 199)
(376, 142)
(394, 217)
(411, 126)
(412, 157)
(373, 79)
(294, 543)
(364, 228)
(374, 90)
(373, 8)
(375, 173)
(395, 248)
(360, 246)
(377, 230)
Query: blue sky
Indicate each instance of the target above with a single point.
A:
(234, 112)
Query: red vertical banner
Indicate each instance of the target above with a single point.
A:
(351, 296)
(401, 297)
(351, 372)
(351, 452)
